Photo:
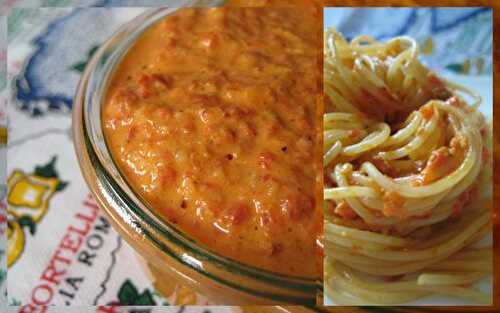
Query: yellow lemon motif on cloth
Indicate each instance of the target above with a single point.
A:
(15, 237)
(3, 135)
(28, 199)
(29, 195)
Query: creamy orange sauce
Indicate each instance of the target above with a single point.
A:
(211, 118)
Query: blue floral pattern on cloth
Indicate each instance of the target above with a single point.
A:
(49, 78)
(455, 39)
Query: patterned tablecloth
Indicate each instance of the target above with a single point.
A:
(458, 40)
(48, 201)
(61, 249)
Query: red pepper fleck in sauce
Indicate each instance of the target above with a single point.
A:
(427, 112)
(345, 211)
(393, 205)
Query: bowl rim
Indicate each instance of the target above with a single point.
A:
(88, 100)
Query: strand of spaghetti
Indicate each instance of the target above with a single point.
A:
(350, 244)
(416, 142)
(446, 248)
(364, 235)
(359, 64)
(355, 204)
(404, 289)
(403, 134)
(332, 153)
(370, 141)
(330, 136)
(480, 254)
(468, 91)
(462, 266)
(450, 279)
(346, 279)
(339, 117)
(412, 206)
(423, 191)
(382, 267)
(339, 101)
(346, 192)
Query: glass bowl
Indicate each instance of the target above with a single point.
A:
(169, 254)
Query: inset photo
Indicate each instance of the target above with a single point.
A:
(408, 156)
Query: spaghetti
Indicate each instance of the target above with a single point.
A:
(407, 177)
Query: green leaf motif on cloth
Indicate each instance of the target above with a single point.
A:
(129, 295)
(49, 171)
(27, 221)
(61, 186)
(80, 66)
(3, 273)
(455, 67)
(15, 302)
(145, 299)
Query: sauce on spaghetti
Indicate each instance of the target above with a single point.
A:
(210, 116)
